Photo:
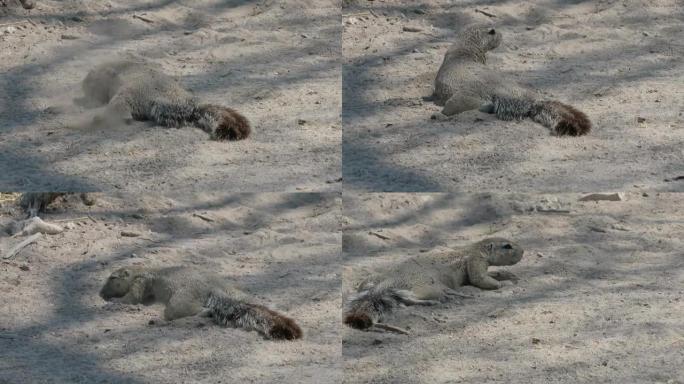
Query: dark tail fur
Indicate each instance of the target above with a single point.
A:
(367, 307)
(271, 324)
(221, 123)
(561, 118)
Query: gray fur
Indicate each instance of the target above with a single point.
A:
(464, 83)
(186, 292)
(141, 91)
(430, 279)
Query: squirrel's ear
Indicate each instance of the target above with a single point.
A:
(492, 31)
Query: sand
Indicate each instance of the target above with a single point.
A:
(284, 249)
(598, 300)
(618, 61)
(322, 81)
(277, 63)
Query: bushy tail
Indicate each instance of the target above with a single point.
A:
(227, 311)
(367, 307)
(561, 118)
(221, 123)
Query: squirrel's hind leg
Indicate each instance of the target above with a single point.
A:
(181, 305)
(459, 103)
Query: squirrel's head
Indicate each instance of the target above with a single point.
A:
(501, 251)
(486, 38)
(101, 84)
(118, 283)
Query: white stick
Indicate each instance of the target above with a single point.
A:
(17, 248)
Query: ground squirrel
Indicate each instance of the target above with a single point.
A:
(465, 83)
(186, 292)
(36, 202)
(141, 91)
(431, 279)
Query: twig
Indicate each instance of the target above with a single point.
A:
(391, 328)
(485, 13)
(74, 219)
(145, 19)
(379, 235)
(17, 248)
(205, 218)
(553, 211)
(12, 23)
(356, 14)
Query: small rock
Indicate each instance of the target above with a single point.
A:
(69, 37)
(10, 30)
(151, 322)
(301, 121)
(25, 268)
(129, 234)
(640, 119)
(535, 340)
(603, 196)
(377, 342)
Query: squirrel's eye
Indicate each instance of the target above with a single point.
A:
(507, 246)
(492, 32)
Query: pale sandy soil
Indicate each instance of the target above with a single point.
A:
(618, 61)
(599, 298)
(284, 249)
(278, 62)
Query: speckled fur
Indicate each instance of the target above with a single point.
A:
(186, 292)
(141, 91)
(464, 82)
(429, 280)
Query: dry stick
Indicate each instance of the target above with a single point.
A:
(379, 235)
(553, 211)
(356, 14)
(75, 219)
(391, 328)
(205, 218)
(145, 19)
(12, 23)
(17, 248)
(485, 13)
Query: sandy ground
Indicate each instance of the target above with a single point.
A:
(618, 61)
(278, 62)
(282, 248)
(599, 298)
